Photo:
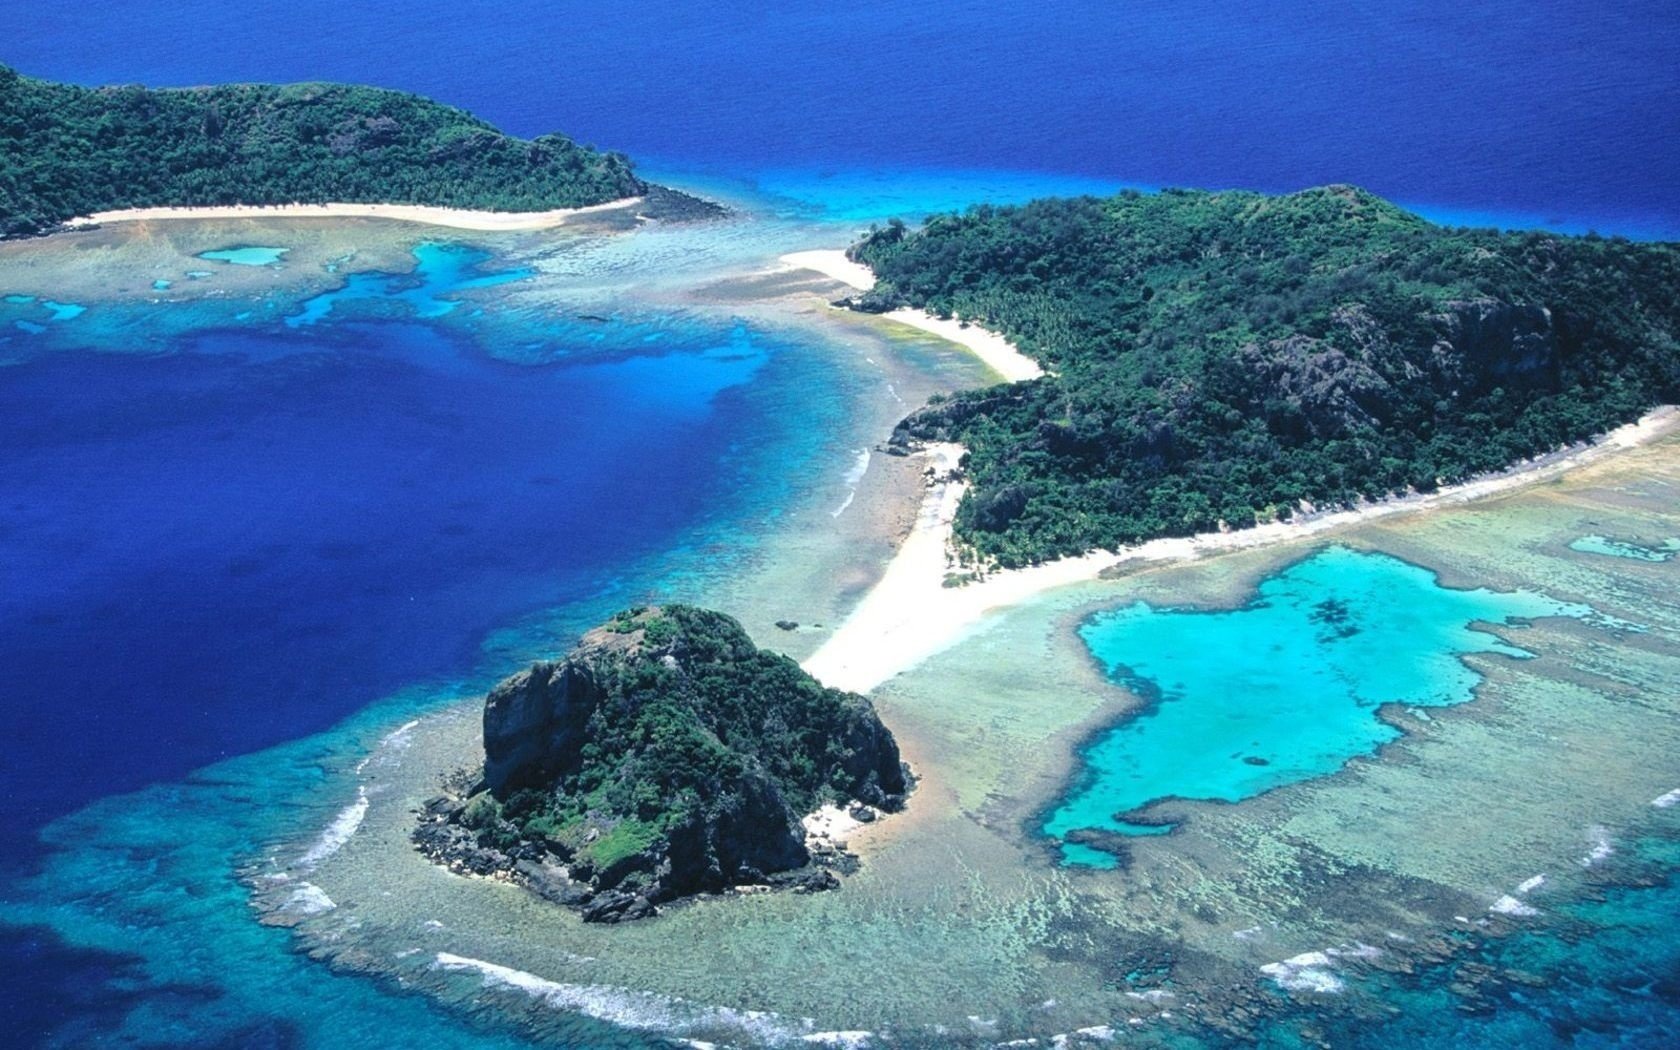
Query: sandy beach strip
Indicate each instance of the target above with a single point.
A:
(454, 218)
(911, 615)
(999, 354)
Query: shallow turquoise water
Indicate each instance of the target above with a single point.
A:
(441, 270)
(1624, 549)
(1285, 688)
(249, 255)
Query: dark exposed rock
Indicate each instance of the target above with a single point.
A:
(666, 756)
(788, 625)
(1312, 387)
(1483, 343)
(668, 205)
(618, 907)
(1110, 842)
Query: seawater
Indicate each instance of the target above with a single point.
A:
(1561, 114)
(221, 536)
(248, 255)
(1287, 687)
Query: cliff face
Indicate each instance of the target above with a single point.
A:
(665, 756)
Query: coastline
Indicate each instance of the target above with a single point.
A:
(430, 215)
(998, 353)
(911, 614)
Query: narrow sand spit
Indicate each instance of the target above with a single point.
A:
(455, 218)
(999, 354)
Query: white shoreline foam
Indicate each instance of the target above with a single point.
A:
(1307, 972)
(454, 218)
(854, 477)
(1601, 847)
(1667, 800)
(308, 899)
(1509, 905)
(645, 1011)
(335, 835)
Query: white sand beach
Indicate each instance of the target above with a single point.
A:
(911, 615)
(454, 218)
(998, 353)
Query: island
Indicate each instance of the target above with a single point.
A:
(666, 756)
(68, 151)
(1216, 360)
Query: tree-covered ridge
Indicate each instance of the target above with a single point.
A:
(67, 151)
(1223, 357)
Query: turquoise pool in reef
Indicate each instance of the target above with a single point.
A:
(1282, 689)
(440, 270)
(249, 255)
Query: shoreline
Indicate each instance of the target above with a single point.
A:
(430, 215)
(997, 352)
(910, 615)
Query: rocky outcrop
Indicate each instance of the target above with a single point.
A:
(665, 756)
(1311, 386)
(1483, 343)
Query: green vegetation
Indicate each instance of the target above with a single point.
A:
(667, 737)
(67, 151)
(1228, 357)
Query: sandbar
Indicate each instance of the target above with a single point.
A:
(455, 218)
(998, 353)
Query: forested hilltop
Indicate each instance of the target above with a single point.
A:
(1227, 357)
(67, 151)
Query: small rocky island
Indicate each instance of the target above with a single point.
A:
(666, 756)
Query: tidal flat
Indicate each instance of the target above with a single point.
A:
(1303, 914)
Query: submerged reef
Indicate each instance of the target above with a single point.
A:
(666, 756)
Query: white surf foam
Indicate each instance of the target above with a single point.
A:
(1667, 801)
(397, 739)
(1509, 905)
(1314, 971)
(335, 835)
(643, 1011)
(847, 1040)
(1530, 885)
(854, 477)
(308, 899)
(1307, 972)
(1601, 848)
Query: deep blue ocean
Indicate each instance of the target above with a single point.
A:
(249, 533)
(1565, 112)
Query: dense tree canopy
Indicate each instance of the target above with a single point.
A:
(673, 721)
(67, 151)
(1222, 357)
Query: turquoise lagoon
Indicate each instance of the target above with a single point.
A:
(248, 255)
(1285, 688)
(442, 271)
